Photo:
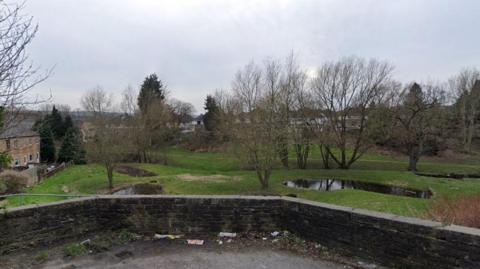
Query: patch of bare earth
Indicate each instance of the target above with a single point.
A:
(134, 171)
(209, 178)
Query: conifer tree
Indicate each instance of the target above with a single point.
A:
(152, 90)
(47, 146)
(56, 123)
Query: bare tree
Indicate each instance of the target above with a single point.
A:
(345, 90)
(108, 143)
(18, 76)
(182, 112)
(98, 102)
(226, 116)
(296, 112)
(147, 130)
(256, 127)
(418, 116)
(154, 125)
(466, 88)
(128, 105)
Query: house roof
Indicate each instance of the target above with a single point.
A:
(21, 128)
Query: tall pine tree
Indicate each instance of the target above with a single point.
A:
(151, 90)
(47, 146)
(68, 123)
(211, 117)
(56, 123)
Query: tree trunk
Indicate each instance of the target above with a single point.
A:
(302, 152)
(325, 156)
(471, 129)
(283, 154)
(343, 164)
(110, 176)
(463, 125)
(413, 157)
(264, 178)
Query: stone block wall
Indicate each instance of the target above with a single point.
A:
(387, 239)
(189, 214)
(393, 241)
(34, 226)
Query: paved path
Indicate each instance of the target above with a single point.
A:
(191, 257)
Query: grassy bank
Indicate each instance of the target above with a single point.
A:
(218, 173)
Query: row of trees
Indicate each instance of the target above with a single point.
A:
(348, 106)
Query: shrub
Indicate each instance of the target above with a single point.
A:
(41, 257)
(463, 211)
(74, 250)
(12, 181)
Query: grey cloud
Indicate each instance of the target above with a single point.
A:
(196, 46)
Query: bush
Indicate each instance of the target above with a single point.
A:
(463, 211)
(12, 181)
(74, 250)
(41, 257)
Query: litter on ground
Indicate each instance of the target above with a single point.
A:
(195, 242)
(167, 236)
(225, 234)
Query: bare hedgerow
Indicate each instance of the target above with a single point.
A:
(462, 211)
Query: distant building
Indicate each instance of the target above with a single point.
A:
(21, 143)
(191, 126)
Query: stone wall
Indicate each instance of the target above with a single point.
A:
(390, 240)
(33, 226)
(387, 239)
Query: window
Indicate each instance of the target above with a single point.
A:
(15, 144)
(38, 157)
(25, 160)
(8, 144)
(17, 162)
(30, 157)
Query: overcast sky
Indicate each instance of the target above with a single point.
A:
(196, 46)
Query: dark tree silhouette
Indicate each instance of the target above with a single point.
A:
(151, 91)
(47, 146)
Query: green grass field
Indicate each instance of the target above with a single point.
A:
(219, 173)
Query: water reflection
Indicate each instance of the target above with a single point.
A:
(335, 184)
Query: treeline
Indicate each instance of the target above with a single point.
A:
(344, 109)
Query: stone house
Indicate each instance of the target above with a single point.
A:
(21, 143)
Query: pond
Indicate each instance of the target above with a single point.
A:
(336, 184)
(139, 189)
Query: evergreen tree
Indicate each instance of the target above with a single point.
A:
(68, 123)
(47, 146)
(56, 123)
(69, 147)
(72, 148)
(151, 90)
(211, 117)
